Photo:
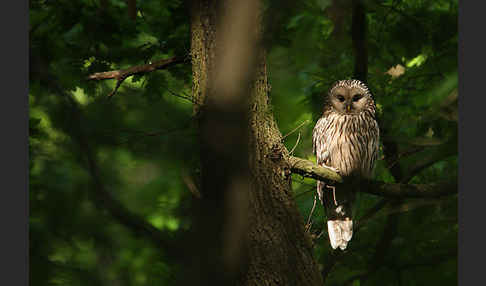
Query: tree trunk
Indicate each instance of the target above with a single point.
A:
(280, 251)
(277, 251)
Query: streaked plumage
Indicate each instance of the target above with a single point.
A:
(345, 138)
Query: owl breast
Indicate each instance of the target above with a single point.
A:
(347, 142)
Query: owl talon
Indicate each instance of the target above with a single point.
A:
(331, 168)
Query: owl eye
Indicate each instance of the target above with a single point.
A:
(357, 97)
(340, 97)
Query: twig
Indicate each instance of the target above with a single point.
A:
(186, 97)
(191, 185)
(312, 210)
(406, 153)
(295, 146)
(295, 129)
(155, 133)
(370, 213)
(118, 83)
(305, 192)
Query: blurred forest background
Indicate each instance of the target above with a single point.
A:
(95, 212)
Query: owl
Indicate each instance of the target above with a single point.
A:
(345, 139)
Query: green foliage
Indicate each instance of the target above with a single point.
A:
(421, 36)
(143, 139)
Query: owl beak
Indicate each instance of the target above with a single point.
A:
(348, 108)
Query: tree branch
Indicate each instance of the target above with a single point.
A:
(429, 157)
(121, 75)
(309, 169)
(400, 190)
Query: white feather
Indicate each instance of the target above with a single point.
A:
(340, 233)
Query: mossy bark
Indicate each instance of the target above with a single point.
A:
(278, 251)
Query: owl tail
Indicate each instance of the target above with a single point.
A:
(340, 233)
(337, 203)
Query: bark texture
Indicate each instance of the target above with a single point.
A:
(277, 249)
(280, 251)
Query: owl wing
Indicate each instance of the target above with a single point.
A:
(319, 141)
(320, 149)
(373, 146)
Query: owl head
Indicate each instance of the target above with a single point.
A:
(349, 97)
